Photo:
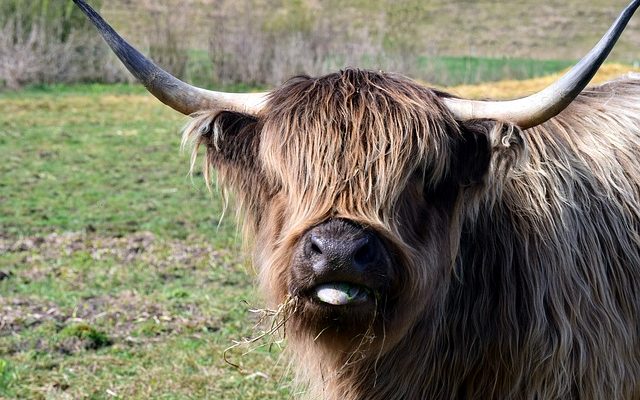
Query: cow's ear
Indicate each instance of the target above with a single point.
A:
(233, 140)
(472, 153)
(470, 156)
(483, 143)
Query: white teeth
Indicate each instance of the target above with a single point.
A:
(340, 294)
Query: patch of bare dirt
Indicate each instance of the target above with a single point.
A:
(40, 254)
(128, 317)
(121, 313)
(19, 314)
(142, 246)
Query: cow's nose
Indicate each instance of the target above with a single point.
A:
(340, 262)
(342, 251)
(354, 253)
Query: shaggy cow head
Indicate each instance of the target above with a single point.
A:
(348, 185)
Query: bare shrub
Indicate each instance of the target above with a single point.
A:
(249, 43)
(293, 55)
(246, 45)
(34, 57)
(37, 50)
(238, 47)
(26, 56)
(88, 59)
(167, 44)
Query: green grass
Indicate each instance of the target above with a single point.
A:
(109, 163)
(120, 279)
(75, 89)
(449, 71)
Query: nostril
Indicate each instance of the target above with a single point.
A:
(315, 245)
(365, 253)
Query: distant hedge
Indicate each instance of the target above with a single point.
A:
(47, 41)
(59, 18)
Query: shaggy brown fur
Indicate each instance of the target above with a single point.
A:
(517, 272)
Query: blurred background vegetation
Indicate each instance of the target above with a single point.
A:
(260, 43)
(49, 41)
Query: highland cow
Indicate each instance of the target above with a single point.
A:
(429, 247)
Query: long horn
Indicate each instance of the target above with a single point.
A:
(168, 89)
(537, 108)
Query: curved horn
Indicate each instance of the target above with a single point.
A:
(168, 89)
(537, 108)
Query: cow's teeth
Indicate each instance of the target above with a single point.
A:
(339, 294)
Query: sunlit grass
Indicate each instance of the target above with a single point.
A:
(143, 295)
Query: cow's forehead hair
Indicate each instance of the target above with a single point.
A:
(349, 141)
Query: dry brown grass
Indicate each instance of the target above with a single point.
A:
(512, 89)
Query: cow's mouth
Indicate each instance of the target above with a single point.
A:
(341, 294)
(339, 305)
(341, 309)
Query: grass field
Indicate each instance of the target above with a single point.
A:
(118, 279)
